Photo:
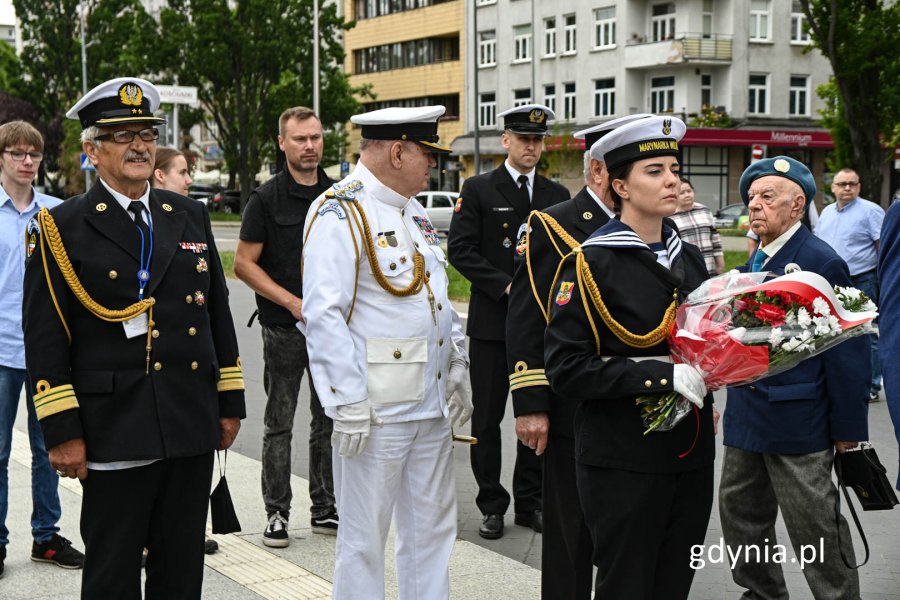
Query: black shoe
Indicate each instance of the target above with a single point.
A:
(59, 551)
(2, 559)
(276, 533)
(875, 396)
(491, 527)
(326, 525)
(533, 519)
(210, 546)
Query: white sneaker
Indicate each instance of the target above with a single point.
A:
(276, 534)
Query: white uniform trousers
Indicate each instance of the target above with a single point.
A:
(407, 471)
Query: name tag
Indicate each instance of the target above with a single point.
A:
(136, 326)
(502, 208)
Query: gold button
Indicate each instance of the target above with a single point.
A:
(157, 366)
(155, 333)
(392, 266)
(439, 374)
(192, 331)
(113, 274)
(194, 366)
(506, 226)
(648, 383)
(441, 342)
(663, 382)
(188, 298)
(440, 306)
(403, 260)
(397, 354)
(587, 216)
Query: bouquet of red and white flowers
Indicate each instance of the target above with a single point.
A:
(737, 328)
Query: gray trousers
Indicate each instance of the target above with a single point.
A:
(284, 353)
(752, 489)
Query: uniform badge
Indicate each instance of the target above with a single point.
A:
(202, 267)
(332, 206)
(537, 116)
(458, 206)
(667, 126)
(587, 215)
(427, 230)
(523, 228)
(382, 241)
(131, 94)
(195, 247)
(507, 243)
(199, 298)
(167, 207)
(348, 191)
(522, 246)
(32, 231)
(101, 207)
(781, 165)
(565, 293)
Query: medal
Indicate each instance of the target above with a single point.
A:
(143, 275)
(202, 267)
(507, 243)
(382, 241)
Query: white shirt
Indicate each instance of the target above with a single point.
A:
(515, 175)
(775, 245)
(609, 212)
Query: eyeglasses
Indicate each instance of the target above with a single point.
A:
(126, 136)
(19, 155)
(845, 184)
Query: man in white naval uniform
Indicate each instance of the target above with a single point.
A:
(388, 360)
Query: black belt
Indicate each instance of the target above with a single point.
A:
(864, 273)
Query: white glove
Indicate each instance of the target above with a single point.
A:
(351, 428)
(687, 381)
(459, 393)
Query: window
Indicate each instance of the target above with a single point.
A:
(662, 94)
(568, 101)
(522, 41)
(798, 20)
(487, 49)
(706, 90)
(550, 97)
(521, 97)
(758, 103)
(662, 22)
(486, 2)
(570, 34)
(402, 55)
(605, 27)
(487, 110)
(550, 37)
(604, 97)
(707, 18)
(798, 94)
(367, 9)
(759, 20)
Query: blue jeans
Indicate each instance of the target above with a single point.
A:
(45, 511)
(867, 283)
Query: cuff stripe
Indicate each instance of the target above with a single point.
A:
(55, 400)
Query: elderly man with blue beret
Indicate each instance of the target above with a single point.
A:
(781, 432)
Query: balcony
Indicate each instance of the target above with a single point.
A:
(682, 48)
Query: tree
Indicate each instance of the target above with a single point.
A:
(250, 60)
(858, 37)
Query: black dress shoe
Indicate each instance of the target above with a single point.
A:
(533, 519)
(491, 527)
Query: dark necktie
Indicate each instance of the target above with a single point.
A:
(136, 208)
(758, 259)
(523, 189)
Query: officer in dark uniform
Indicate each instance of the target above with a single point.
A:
(566, 569)
(488, 214)
(131, 350)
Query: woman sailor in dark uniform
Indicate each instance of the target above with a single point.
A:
(646, 498)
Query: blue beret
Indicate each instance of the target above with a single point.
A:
(782, 166)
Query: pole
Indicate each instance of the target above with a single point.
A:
(84, 88)
(175, 136)
(316, 58)
(477, 111)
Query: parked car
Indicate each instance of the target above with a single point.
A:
(227, 201)
(733, 216)
(439, 206)
(204, 192)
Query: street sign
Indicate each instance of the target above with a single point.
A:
(177, 94)
(757, 152)
(345, 168)
(86, 164)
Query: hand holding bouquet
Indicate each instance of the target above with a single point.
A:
(737, 328)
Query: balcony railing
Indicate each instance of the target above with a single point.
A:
(680, 48)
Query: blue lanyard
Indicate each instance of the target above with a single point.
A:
(143, 274)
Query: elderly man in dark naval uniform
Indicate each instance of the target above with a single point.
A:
(545, 421)
(130, 347)
(488, 214)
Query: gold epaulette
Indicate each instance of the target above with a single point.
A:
(524, 377)
(49, 401)
(231, 378)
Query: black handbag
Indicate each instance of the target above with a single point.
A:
(861, 470)
(224, 517)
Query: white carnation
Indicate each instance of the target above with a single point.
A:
(820, 307)
(776, 337)
(803, 317)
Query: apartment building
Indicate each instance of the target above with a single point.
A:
(411, 53)
(593, 60)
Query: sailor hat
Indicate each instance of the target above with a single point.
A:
(528, 119)
(782, 166)
(116, 102)
(592, 135)
(644, 138)
(419, 124)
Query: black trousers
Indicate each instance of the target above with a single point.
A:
(490, 391)
(566, 568)
(643, 526)
(161, 506)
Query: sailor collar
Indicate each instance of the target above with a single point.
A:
(616, 234)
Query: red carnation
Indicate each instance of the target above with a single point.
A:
(770, 314)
